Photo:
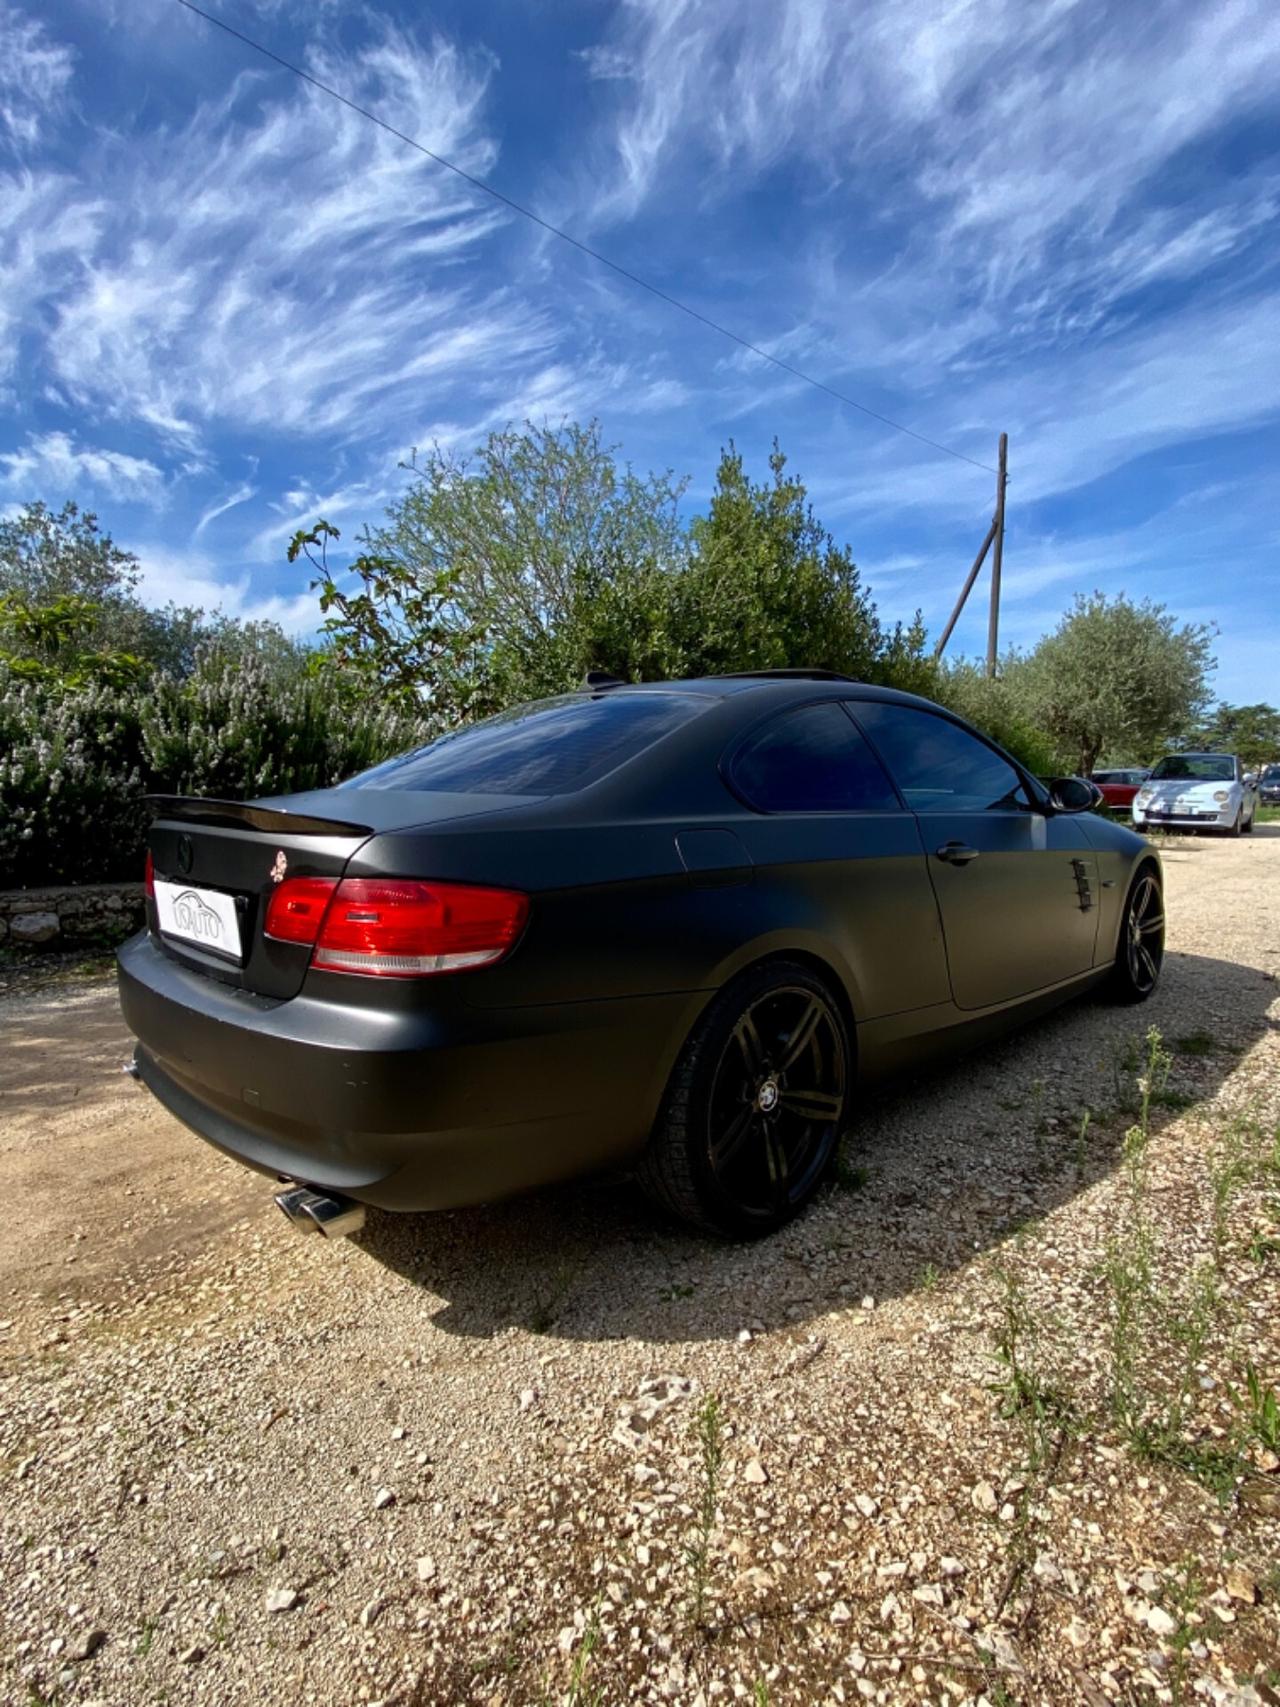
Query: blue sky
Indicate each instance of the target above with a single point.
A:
(228, 305)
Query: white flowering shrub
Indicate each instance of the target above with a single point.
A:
(71, 783)
(236, 730)
(75, 763)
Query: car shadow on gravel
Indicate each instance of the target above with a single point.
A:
(935, 1172)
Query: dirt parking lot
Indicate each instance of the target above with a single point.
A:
(990, 1423)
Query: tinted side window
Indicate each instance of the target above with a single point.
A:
(552, 746)
(938, 766)
(811, 760)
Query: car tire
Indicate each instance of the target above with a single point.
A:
(1136, 974)
(756, 1105)
(1246, 829)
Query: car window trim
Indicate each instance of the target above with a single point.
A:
(773, 714)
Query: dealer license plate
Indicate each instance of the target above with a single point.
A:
(200, 916)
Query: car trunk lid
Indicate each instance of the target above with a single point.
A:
(216, 863)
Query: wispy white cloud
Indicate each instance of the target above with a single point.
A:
(279, 264)
(55, 463)
(49, 222)
(35, 71)
(191, 577)
(240, 495)
(990, 186)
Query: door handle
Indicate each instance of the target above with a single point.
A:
(957, 853)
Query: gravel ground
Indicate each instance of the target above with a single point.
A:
(977, 1428)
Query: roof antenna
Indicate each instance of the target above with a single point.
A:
(602, 679)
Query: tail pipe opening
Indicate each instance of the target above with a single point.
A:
(319, 1212)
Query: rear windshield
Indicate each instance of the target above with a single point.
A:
(552, 746)
(1195, 767)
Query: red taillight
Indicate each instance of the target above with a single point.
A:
(149, 876)
(391, 927)
(296, 908)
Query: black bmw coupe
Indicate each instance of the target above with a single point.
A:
(671, 926)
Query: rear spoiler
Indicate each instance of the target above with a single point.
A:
(244, 815)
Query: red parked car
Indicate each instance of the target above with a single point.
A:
(1119, 787)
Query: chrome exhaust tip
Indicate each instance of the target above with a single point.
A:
(316, 1212)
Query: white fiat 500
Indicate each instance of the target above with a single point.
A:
(1196, 791)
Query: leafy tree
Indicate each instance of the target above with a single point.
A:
(397, 631)
(482, 586)
(1115, 675)
(53, 642)
(64, 581)
(769, 588)
(44, 555)
(69, 605)
(1252, 731)
(512, 573)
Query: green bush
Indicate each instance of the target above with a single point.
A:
(76, 761)
(71, 783)
(236, 730)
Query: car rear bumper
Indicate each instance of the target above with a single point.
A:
(405, 1110)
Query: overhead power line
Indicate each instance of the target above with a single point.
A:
(576, 242)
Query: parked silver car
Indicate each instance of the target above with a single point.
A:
(1197, 791)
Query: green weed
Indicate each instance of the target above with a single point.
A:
(1026, 1395)
(1082, 1143)
(1259, 1409)
(581, 1692)
(708, 1430)
(851, 1176)
(1228, 1171)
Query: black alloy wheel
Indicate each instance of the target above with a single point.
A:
(756, 1105)
(1140, 952)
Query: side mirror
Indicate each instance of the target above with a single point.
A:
(1073, 794)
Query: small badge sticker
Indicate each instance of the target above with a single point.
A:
(279, 868)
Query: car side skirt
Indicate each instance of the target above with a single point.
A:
(903, 1042)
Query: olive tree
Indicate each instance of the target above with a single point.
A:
(1115, 675)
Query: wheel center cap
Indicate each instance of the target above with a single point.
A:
(767, 1097)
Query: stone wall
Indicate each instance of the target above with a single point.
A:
(71, 915)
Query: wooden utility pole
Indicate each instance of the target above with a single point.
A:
(995, 534)
(997, 556)
(966, 589)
